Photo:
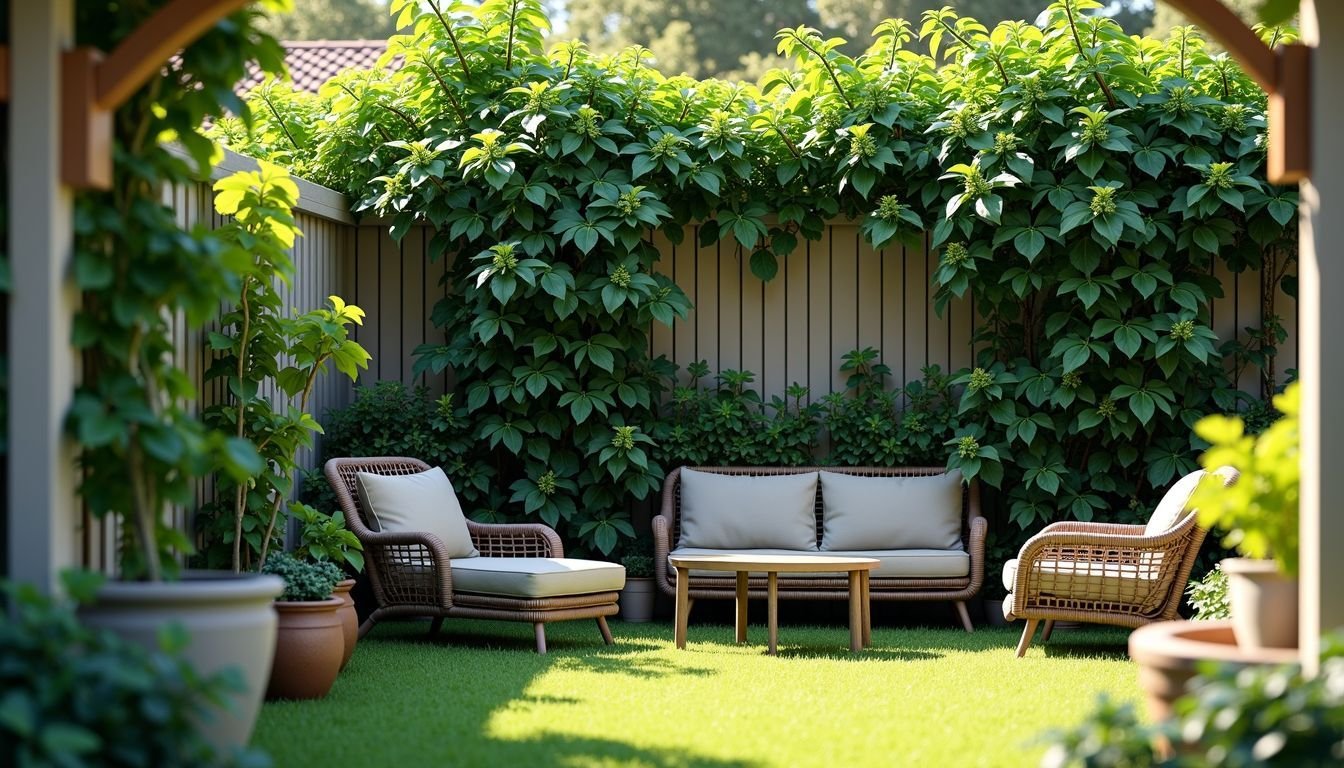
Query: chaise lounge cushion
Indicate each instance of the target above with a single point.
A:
(1171, 509)
(535, 577)
(744, 512)
(894, 563)
(421, 503)
(876, 513)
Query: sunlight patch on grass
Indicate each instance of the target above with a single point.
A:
(919, 696)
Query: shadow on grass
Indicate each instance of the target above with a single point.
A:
(1067, 649)
(873, 653)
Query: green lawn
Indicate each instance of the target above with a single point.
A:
(477, 696)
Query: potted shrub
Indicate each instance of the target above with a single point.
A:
(636, 598)
(310, 641)
(325, 537)
(76, 696)
(1258, 515)
(143, 281)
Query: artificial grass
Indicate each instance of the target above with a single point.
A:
(478, 696)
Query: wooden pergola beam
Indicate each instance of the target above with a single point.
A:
(93, 86)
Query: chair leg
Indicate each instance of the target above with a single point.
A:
(965, 616)
(1026, 637)
(606, 631)
(541, 637)
(368, 624)
(435, 626)
(1047, 629)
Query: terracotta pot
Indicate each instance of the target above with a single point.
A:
(308, 649)
(1168, 653)
(349, 619)
(229, 618)
(1263, 603)
(636, 599)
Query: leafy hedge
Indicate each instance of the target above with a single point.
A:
(1079, 184)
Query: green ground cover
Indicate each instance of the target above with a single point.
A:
(477, 696)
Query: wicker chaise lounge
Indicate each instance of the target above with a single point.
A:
(521, 573)
(1107, 573)
(954, 575)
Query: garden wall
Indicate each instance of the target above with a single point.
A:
(831, 296)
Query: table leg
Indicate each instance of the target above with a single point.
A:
(867, 608)
(772, 600)
(855, 611)
(683, 605)
(741, 606)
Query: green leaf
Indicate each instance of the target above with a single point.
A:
(764, 264)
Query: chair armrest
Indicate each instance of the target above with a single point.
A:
(1074, 526)
(515, 540)
(408, 568)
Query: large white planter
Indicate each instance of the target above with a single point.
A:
(230, 620)
(636, 599)
(1263, 603)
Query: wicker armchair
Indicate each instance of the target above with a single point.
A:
(411, 573)
(1104, 573)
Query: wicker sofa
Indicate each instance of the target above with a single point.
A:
(955, 575)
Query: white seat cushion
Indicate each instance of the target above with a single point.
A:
(1096, 581)
(889, 513)
(741, 511)
(533, 577)
(893, 563)
(421, 503)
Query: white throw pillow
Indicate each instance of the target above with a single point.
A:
(420, 503)
(743, 512)
(863, 513)
(1171, 508)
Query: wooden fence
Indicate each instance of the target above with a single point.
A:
(830, 296)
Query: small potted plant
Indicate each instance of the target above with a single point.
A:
(325, 537)
(636, 598)
(1258, 515)
(310, 642)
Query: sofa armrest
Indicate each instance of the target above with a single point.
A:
(662, 545)
(515, 539)
(975, 547)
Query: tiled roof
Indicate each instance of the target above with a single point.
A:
(312, 62)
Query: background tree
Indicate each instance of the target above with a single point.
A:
(855, 19)
(332, 20)
(701, 38)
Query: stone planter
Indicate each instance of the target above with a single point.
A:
(1263, 603)
(309, 645)
(1168, 653)
(636, 599)
(229, 619)
(349, 619)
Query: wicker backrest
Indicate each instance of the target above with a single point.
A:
(970, 497)
(341, 477)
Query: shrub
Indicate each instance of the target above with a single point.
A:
(868, 427)
(391, 419)
(78, 697)
(1208, 596)
(305, 581)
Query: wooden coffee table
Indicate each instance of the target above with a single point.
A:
(858, 568)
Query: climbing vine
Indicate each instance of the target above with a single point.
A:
(1080, 185)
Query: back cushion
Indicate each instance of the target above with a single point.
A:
(1172, 507)
(420, 503)
(738, 512)
(865, 513)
